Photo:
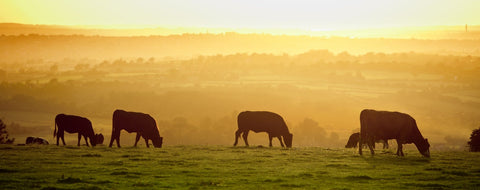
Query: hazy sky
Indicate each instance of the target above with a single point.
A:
(298, 14)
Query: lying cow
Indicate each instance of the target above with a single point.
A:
(36, 140)
(355, 137)
(143, 124)
(391, 125)
(74, 124)
(262, 121)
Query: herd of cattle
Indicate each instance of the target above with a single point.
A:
(375, 126)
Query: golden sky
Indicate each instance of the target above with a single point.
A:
(294, 14)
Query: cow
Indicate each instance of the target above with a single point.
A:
(143, 124)
(263, 121)
(74, 124)
(36, 140)
(355, 137)
(391, 125)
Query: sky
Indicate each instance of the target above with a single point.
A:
(295, 14)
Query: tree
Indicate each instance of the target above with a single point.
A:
(474, 142)
(4, 134)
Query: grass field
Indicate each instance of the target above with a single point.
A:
(225, 167)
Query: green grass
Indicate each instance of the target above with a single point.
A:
(225, 167)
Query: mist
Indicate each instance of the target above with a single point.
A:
(194, 85)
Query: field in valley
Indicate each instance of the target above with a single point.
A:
(227, 167)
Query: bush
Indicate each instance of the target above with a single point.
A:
(4, 134)
(474, 142)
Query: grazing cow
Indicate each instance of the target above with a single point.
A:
(143, 124)
(36, 140)
(262, 121)
(391, 125)
(74, 124)
(355, 137)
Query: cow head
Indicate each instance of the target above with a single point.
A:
(99, 138)
(424, 148)
(157, 142)
(288, 140)
(93, 140)
(351, 144)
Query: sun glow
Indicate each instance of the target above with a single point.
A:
(304, 15)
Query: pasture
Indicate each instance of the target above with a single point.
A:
(227, 167)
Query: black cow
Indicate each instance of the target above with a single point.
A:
(263, 121)
(143, 124)
(36, 140)
(74, 124)
(355, 137)
(391, 125)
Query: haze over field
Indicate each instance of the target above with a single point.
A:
(194, 65)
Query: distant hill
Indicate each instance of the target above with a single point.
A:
(437, 32)
(25, 29)
(19, 42)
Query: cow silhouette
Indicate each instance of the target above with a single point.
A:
(143, 124)
(74, 124)
(355, 137)
(36, 140)
(391, 125)
(263, 121)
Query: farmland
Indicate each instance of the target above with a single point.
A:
(319, 93)
(227, 167)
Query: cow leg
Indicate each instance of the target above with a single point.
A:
(360, 146)
(245, 136)
(270, 139)
(146, 142)
(86, 141)
(385, 144)
(237, 135)
(79, 138)
(112, 138)
(58, 137)
(137, 139)
(118, 140)
(281, 142)
(62, 135)
(371, 145)
(115, 136)
(400, 148)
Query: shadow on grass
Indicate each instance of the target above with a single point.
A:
(396, 160)
(70, 180)
(80, 188)
(7, 171)
(427, 185)
(358, 177)
(91, 155)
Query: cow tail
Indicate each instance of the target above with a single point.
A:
(55, 130)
